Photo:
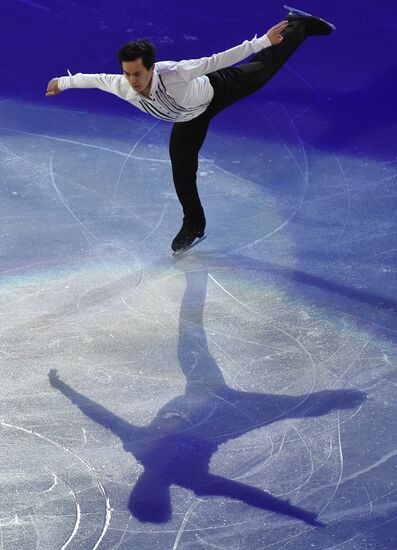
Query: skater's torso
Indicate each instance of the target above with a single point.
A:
(172, 98)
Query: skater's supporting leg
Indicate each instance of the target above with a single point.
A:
(185, 143)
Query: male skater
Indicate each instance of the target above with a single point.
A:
(190, 93)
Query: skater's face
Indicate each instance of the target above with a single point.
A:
(138, 76)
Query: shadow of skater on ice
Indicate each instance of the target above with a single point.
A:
(177, 446)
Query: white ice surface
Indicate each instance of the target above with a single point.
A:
(292, 293)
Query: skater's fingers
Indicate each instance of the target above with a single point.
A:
(52, 87)
(274, 32)
(280, 25)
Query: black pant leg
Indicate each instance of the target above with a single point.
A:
(233, 84)
(185, 143)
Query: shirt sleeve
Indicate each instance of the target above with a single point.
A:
(106, 82)
(190, 69)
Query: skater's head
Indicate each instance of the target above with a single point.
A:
(137, 59)
(138, 49)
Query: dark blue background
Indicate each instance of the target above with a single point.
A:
(352, 74)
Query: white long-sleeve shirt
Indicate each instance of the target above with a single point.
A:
(180, 90)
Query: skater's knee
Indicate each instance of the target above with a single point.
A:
(183, 156)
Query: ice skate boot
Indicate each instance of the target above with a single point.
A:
(187, 236)
(314, 25)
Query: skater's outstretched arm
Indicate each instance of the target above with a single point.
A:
(93, 410)
(106, 82)
(193, 68)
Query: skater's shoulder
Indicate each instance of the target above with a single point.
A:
(175, 69)
(162, 67)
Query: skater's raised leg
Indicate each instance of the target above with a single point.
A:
(233, 84)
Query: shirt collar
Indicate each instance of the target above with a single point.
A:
(132, 94)
(155, 83)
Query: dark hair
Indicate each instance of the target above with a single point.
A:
(138, 49)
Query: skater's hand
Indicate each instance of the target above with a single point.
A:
(274, 34)
(52, 87)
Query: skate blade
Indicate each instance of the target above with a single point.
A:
(183, 251)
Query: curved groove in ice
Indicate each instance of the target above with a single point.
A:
(108, 510)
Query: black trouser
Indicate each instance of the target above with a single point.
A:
(229, 85)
